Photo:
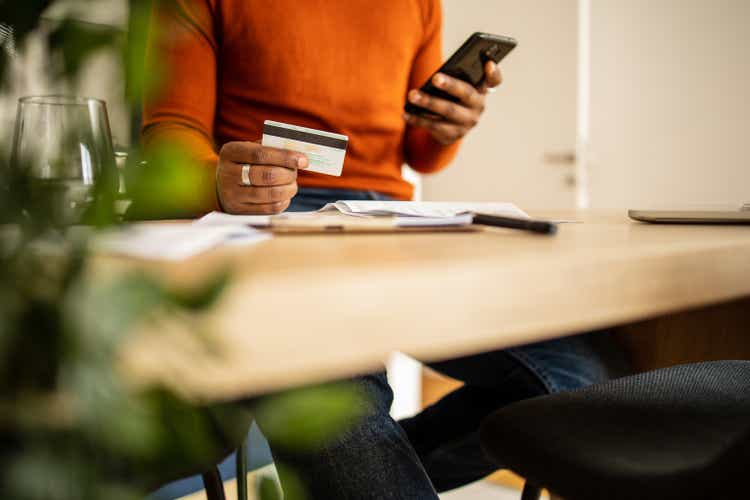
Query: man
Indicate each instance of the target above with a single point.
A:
(345, 66)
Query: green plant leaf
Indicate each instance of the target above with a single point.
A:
(144, 76)
(202, 297)
(268, 489)
(59, 333)
(77, 41)
(292, 484)
(306, 419)
(98, 317)
(169, 184)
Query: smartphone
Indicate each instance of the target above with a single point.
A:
(467, 64)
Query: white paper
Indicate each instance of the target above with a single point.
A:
(160, 241)
(458, 220)
(224, 219)
(408, 213)
(433, 209)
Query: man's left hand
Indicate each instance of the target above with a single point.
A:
(456, 119)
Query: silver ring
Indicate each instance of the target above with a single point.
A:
(491, 90)
(246, 176)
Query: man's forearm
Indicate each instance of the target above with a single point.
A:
(424, 154)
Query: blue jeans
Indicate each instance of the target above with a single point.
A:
(438, 449)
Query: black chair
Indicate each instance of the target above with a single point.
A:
(677, 433)
(231, 424)
(213, 484)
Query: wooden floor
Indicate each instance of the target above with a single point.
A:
(484, 491)
(230, 487)
(478, 491)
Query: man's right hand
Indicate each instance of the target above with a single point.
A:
(273, 178)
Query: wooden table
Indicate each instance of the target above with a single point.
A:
(308, 308)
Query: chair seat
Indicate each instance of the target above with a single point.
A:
(681, 432)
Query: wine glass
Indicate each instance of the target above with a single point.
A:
(62, 145)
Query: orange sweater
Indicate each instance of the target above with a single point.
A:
(343, 66)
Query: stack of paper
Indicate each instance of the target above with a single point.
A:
(406, 213)
(431, 209)
(167, 241)
(425, 213)
(224, 219)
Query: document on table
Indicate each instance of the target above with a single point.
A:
(160, 241)
(424, 209)
(224, 219)
(406, 213)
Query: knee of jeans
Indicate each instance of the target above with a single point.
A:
(375, 426)
(376, 392)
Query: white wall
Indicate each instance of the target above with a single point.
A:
(533, 113)
(670, 105)
(670, 102)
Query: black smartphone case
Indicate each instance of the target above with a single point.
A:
(467, 64)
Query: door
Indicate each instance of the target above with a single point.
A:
(670, 103)
(522, 151)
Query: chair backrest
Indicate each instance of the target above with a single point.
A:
(701, 411)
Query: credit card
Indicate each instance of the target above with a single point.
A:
(325, 150)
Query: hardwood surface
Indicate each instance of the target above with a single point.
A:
(307, 308)
(707, 334)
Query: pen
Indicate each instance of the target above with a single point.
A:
(535, 226)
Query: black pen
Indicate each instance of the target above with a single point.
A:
(535, 226)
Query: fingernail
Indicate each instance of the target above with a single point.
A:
(439, 79)
(414, 96)
(407, 116)
(302, 162)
